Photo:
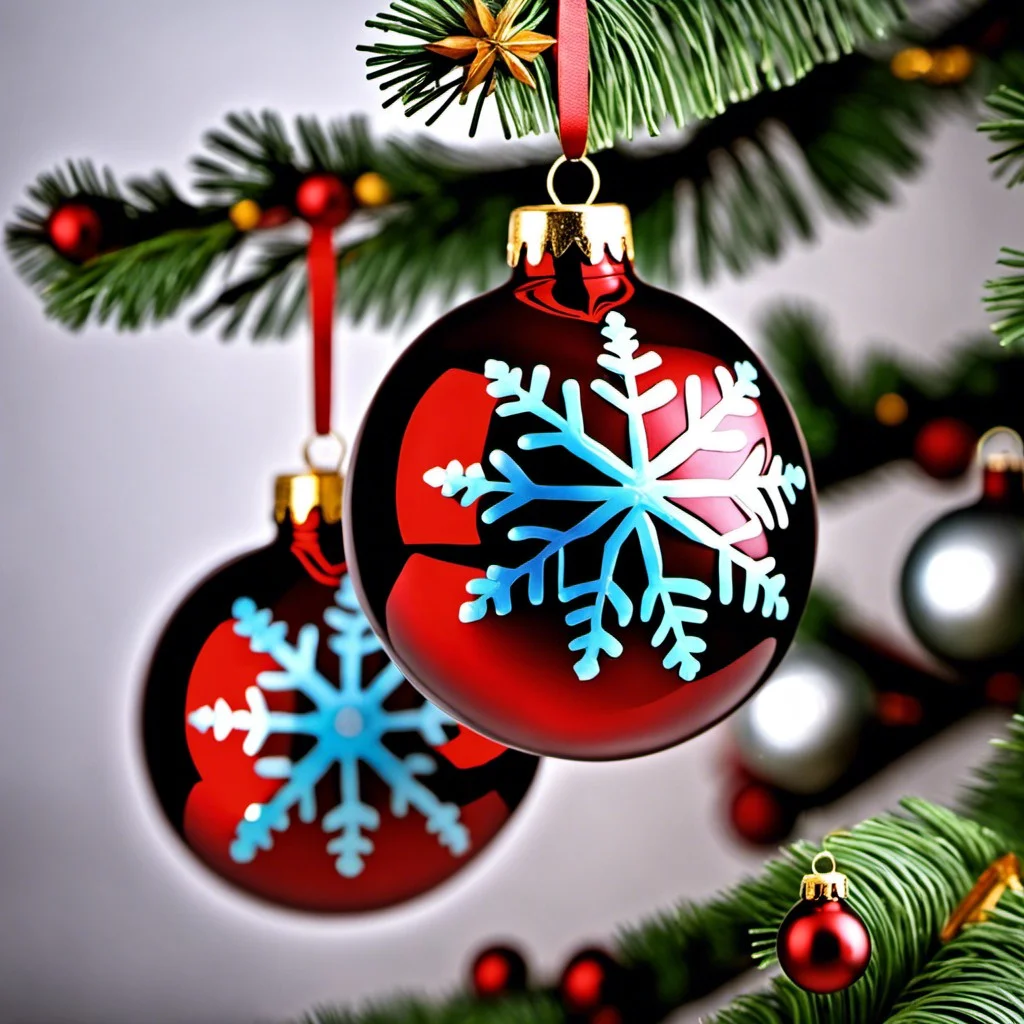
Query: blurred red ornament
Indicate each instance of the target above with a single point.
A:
(324, 200)
(823, 945)
(761, 815)
(592, 980)
(944, 448)
(75, 230)
(275, 217)
(579, 510)
(287, 750)
(497, 971)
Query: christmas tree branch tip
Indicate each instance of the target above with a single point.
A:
(652, 61)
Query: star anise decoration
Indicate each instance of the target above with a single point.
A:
(493, 36)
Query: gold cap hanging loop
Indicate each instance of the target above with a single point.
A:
(1002, 460)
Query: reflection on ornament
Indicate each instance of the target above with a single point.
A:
(963, 581)
(800, 730)
(957, 580)
(963, 585)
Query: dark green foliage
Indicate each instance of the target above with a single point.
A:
(738, 189)
(652, 61)
(980, 386)
(1005, 295)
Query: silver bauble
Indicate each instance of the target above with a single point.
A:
(963, 585)
(800, 730)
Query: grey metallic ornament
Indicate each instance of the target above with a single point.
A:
(963, 581)
(800, 730)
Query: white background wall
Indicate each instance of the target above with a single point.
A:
(131, 465)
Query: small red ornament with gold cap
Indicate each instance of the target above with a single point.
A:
(823, 945)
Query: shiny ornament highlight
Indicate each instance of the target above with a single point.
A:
(800, 730)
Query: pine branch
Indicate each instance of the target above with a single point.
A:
(997, 797)
(856, 128)
(652, 61)
(979, 386)
(1005, 295)
(977, 977)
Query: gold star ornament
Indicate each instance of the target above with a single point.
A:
(493, 36)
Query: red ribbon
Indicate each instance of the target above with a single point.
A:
(322, 267)
(573, 77)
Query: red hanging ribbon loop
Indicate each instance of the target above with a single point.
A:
(573, 77)
(322, 268)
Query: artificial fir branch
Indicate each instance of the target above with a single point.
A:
(651, 60)
(908, 871)
(979, 386)
(1005, 295)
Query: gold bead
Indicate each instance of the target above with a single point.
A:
(891, 409)
(372, 189)
(911, 63)
(951, 67)
(245, 214)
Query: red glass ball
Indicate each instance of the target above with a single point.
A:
(592, 979)
(823, 945)
(324, 200)
(760, 814)
(75, 231)
(291, 756)
(944, 448)
(497, 971)
(580, 514)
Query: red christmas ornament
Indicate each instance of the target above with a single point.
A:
(498, 971)
(944, 448)
(761, 815)
(324, 200)
(75, 230)
(592, 980)
(580, 514)
(288, 751)
(823, 945)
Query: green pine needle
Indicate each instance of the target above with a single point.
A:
(652, 61)
(1005, 295)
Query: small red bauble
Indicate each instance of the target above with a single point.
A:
(291, 755)
(75, 230)
(324, 200)
(823, 945)
(592, 979)
(579, 512)
(498, 971)
(761, 814)
(944, 448)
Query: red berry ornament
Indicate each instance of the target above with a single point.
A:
(323, 200)
(497, 971)
(580, 512)
(761, 814)
(75, 231)
(823, 945)
(287, 750)
(591, 980)
(944, 448)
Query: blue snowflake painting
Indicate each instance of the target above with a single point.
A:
(348, 725)
(634, 498)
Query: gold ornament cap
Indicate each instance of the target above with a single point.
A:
(830, 885)
(296, 495)
(591, 227)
